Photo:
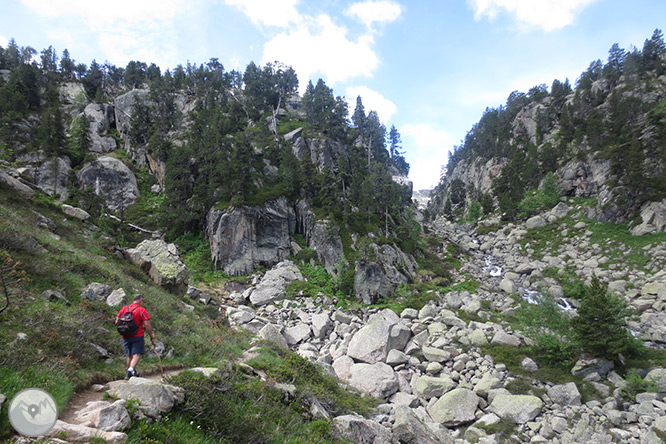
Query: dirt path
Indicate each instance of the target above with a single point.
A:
(82, 398)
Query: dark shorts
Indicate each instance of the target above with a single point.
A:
(134, 346)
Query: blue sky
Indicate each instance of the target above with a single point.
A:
(428, 67)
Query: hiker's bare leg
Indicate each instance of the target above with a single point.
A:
(127, 363)
(134, 361)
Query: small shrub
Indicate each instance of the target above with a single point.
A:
(635, 385)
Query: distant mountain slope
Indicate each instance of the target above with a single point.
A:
(604, 139)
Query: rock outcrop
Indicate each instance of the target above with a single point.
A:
(244, 237)
(110, 179)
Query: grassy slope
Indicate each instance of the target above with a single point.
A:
(57, 354)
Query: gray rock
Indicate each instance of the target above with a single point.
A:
(297, 334)
(455, 408)
(434, 354)
(535, 222)
(565, 394)
(488, 382)
(272, 333)
(360, 430)
(560, 210)
(658, 375)
(54, 296)
(507, 286)
(321, 325)
(529, 365)
(370, 282)
(377, 379)
(517, 408)
(503, 338)
(24, 191)
(273, 284)
(396, 357)
(586, 367)
(72, 92)
(324, 238)
(116, 298)
(154, 398)
(243, 237)
(206, 371)
(110, 179)
(409, 429)
(431, 387)
(342, 367)
(372, 343)
(162, 263)
(96, 292)
(52, 177)
(105, 416)
(75, 212)
(79, 434)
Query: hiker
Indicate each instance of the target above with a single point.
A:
(133, 340)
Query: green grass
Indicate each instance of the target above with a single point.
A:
(58, 351)
(232, 408)
(36, 376)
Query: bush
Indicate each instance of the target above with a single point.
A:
(550, 329)
(545, 198)
(635, 385)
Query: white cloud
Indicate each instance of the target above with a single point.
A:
(318, 45)
(371, 12)
(550, 15)
(268, 12)
(372, 100)
(3, 41)
(426, 151)
(130, 30)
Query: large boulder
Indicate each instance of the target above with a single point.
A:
(96, 291)
(455, 408)
(565, 394)
(653, 215)
(375, 379)
(516, 408)
(154, 398)
(360, 430)
(110, 179)
(432, 387)
(105, 416)
(162, 263)
(372, 343)
(658, 375)
(274, 283)
(595, 367)
(243, 237)
(409, 429)
(24, 191)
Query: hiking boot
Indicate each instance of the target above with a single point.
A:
(128, 374)
(135, 373)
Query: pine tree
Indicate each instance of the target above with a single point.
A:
(601, 324)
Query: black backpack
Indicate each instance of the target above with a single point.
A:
(126, 325)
